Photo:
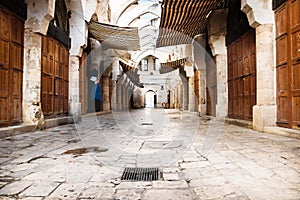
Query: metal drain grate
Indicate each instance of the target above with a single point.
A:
(140, 174)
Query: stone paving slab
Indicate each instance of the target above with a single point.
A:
(15, 188)
(40, 189)
(239, 164)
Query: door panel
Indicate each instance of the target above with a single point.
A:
(288, 64)
(242, 76)
(55, 77)
(11, 67)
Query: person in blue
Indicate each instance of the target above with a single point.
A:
(95, 90)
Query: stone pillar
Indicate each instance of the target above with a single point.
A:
(124, 94)
(217, 32)
(192, 96)
(119, 94)
(105, 95)
(265, 110)
(32, 112)
(222, 86)
(199, 53)
(181, 96)
(114, 96)
(39, 14)
(202, 92)
(74, 101)
(186, 94)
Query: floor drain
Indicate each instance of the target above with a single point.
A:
(147, 123)
(140, 174)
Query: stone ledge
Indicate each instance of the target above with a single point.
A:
(15, 130)
(49, 123)
(96, 114)
(23, 128)
(240, 122)
(282, 131)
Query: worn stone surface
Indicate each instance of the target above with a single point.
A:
(167, 194)
(241, 164)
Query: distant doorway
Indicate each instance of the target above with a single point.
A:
(150, 99)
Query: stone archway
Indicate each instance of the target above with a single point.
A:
(150, 99)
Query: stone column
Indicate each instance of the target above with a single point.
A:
(181, 96)
(32, 112)
(202, 92)
(199, 53)
(217, 32)
(222, 86)
(105, 94)
(74, 101)
(192, 96)
(114, 96)
(265, 110)
(186, 94)
(119, 94)
(39, 14)
(124, 94)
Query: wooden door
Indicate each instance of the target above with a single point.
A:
(196, 88)
(83, 85)
(11, 67)
(288, 64)
(242, 76)
(55, 77)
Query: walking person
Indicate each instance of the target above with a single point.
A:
(95, 88)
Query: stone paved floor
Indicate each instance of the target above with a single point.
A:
(198, 158)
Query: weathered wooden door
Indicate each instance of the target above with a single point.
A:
(288, 64)
(196, 88)
(11, 67)
(83, 85)
(55, 77)
(242, 76)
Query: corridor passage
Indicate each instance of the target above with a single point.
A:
(197, 158)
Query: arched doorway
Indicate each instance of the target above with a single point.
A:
(150, 99)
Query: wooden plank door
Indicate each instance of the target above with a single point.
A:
(287, 18)
(196, 89)
(11, 67)
(55, 77)
(5, 82)
(83, 83)
(242, 76)
(295, 61)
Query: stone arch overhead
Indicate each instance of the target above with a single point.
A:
(140, 10)
(149, 90)
(258, 12)
(145, 26)
(155, 15)
(100, 8)
(148, 36)
(145, 57)
(78, 28)
(127, 4)
(142, 54)
(39, 15)
(94, 18)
